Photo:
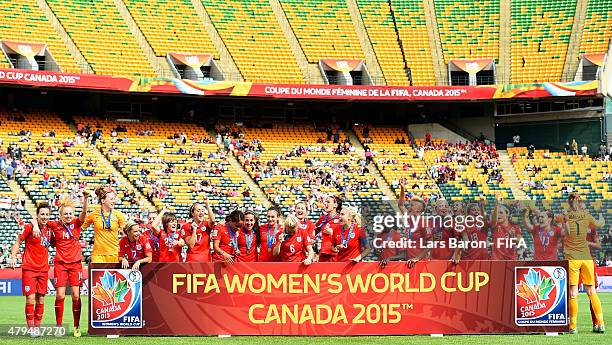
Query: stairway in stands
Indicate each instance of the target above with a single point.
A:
(435, 43)
(572, 58)
(20, 194)
(366, 45)
(159, 63)
(511, 176)
(226, 61)
(253, 186)
(310, 71)
(505, 33)
(382, 183)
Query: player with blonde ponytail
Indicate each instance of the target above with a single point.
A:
(67, 265)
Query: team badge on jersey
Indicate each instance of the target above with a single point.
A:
(540, 296)
(116, 297)
(299, 239)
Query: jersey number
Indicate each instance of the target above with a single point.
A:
(292, 248)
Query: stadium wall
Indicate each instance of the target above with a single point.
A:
(553, 134)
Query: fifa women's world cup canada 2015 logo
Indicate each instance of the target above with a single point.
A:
(541, 296)
(116, 297)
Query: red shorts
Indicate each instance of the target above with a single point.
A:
(68, 273)
(34, 282)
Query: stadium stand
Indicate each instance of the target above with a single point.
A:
(548, 175)
(100, 33)
(57, 162)
(323, 28)
(597, 27)
(396, 160)
(8, 223)
(257, 44)
(23, 21)
(468, 29)
(540, 36)
(297, 162)
(465, 171)
(377, 18)
(171, 26)
(171, 163)
(410, 19)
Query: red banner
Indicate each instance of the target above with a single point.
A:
(287, 91)
(434, 297)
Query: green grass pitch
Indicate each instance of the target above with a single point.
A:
(12, 312)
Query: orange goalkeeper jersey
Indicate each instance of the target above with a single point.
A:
(575, 243)
(106, 240)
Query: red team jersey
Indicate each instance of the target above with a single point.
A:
(440, 235)
(228, 241)
(308, 226)
(386, 237)
(293, 248)
(136, 250)
(417, 236)
(200, 252)
(153, 242)
(502, 249)
(477, 234)
(36, 253)
(352, 239)
(247, 245)
(168, 252)
(546, 243)
(266, 244)
(326, 240)
(66, 238)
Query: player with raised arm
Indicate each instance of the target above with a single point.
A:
(415, 230)
(505, 234)
(353, 244)
(153, 221)
(267, 234)
(293, 244)
(171, 238)
(197, 232)
(134, 248)
(301, 211)
(225, 238)
(546, 236)
(476, 232)
(67, 266)
(34, 266)
(576, 223)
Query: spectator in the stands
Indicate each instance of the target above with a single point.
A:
(584, 150)
(567, 148)
(427, 137)
(574, 147)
